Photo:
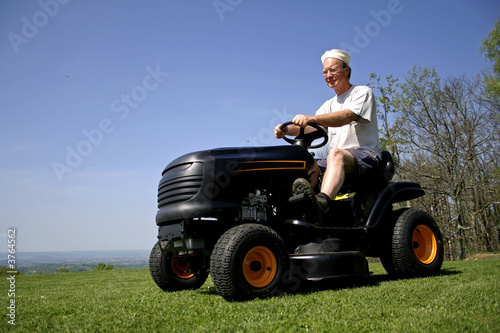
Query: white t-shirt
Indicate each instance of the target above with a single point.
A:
(360, 135)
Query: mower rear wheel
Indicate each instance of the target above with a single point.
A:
(416, 249)
(249, 261)
(173, 272)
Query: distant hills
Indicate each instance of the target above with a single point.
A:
(24, 259)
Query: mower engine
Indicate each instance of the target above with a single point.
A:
(254, 207)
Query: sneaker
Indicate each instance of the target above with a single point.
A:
(321, 203)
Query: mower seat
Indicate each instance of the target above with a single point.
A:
(386, 168)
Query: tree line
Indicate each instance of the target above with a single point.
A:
(445, 134)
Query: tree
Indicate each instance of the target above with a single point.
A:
(386, 113)
(490, 47)
(103, 267)
(442, 132)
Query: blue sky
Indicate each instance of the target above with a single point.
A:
(97, 97)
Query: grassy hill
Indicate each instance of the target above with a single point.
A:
(465, 297)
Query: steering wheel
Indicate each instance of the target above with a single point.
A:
(305, 140)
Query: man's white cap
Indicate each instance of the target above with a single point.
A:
(337, 54)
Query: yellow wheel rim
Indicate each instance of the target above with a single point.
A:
(424, 244)
(180, 267)
(259, 267)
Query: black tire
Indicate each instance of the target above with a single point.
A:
(416, 248)
(173, 273)
(249, 261)
(386, 255)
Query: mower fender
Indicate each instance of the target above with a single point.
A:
(395, 192)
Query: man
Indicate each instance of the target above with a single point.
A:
(351, 119)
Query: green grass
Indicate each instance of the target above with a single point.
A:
(465, 297)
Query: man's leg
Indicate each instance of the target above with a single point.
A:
(339, 163)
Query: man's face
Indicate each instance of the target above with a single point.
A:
(334, 73)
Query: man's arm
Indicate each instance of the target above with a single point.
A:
(334, 119)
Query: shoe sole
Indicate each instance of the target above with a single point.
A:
(302, 186)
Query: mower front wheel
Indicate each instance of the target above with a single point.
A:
(176, 272)
(249, 261)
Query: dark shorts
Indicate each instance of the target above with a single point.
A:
(366, 160)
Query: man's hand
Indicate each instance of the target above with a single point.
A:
(298, 121)
(301, 120)
(280, 133)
